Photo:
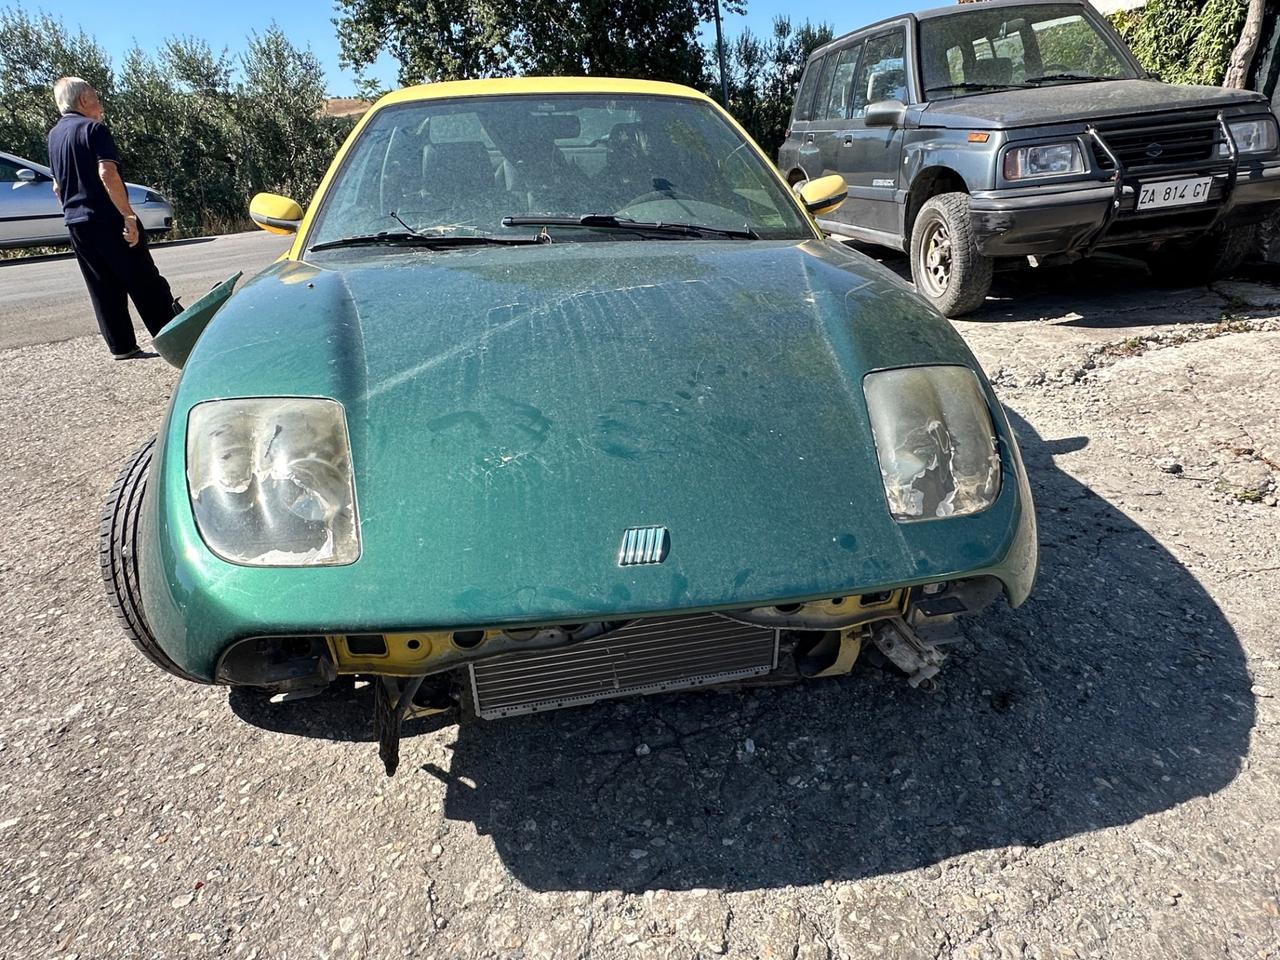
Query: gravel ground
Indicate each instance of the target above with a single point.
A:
(1097, 776)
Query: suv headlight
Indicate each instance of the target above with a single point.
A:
(935, 441)
(1251, 136)
(270, 481)
(1045, 160)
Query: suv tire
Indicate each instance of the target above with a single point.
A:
(118, 557)
(1211, 257)
(948, 268)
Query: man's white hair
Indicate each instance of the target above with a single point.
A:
(68, 91)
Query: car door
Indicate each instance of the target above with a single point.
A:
(819, 127)
(29, 211)
(835, 108)
(870, 158)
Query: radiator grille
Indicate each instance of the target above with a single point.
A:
(1174, 141)
(649, 656)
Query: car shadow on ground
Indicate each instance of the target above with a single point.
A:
(1118, 691)
(1105, 290)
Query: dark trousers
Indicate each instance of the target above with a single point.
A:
(116, 273)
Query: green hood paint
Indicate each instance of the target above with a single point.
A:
(513, 410)
(176, 341)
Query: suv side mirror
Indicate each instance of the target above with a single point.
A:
(27, 176)
(885, 113)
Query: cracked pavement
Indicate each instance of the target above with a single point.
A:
(1097, 775)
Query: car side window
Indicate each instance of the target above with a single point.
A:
(804, 98)
(824, 86)
(8, 172)
(883, 74)
(842, 83)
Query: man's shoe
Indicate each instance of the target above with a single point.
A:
(177, 306)
(137, 353)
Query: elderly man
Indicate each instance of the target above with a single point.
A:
(104, 231)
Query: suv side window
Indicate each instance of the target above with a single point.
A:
(8, 172)
(883, 74)
(804, 99)
(842, 83)
(824, 86)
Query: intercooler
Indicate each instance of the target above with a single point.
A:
(648, 656)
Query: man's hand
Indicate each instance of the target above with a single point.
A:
(131, 231)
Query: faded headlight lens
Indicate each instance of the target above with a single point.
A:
(935, 441)
(1252, 136)
(1046, 160)
(270, 481)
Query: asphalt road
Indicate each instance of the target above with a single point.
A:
(45, 301)
(1097, 776)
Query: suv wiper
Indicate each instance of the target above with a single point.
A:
(1084, 77)
(435, 242)
(607, 221)
(972, 85)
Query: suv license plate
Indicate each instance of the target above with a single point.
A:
(1174, 193)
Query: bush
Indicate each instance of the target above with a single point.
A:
(1184, 41)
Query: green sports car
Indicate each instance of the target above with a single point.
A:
(560, 394)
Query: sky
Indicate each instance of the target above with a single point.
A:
(309, 23)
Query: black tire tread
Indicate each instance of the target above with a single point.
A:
(118, 557)
(971, 272)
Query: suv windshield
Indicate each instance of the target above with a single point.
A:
(461, 166)
(978, 51)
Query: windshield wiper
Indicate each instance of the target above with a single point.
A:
(1050, 77)
(441, 241)
(607, 221)
(971, 85)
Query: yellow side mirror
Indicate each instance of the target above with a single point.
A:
(824, 194)
(275, 214)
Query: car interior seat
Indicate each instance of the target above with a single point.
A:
(991, 70)
(457, 179)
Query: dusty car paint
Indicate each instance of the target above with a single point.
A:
(512, 412)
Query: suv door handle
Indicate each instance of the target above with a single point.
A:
(848, 139)
(808, 138)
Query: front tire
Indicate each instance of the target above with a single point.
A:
(948, 268)
(1207, 258)
(118, 557)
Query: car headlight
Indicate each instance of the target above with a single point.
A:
(1251, 136)
(1045, 160)
(935, 441)
(270, 481)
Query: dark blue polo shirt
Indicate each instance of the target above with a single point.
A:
(76, 145)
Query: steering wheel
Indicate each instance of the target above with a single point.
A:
(658, 195)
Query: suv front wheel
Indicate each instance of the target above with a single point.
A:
(946, 264)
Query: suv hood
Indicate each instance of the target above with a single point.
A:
(1065, 102)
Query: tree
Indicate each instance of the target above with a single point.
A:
(1242, 56)
(764, 77)
(1184, 41)
(461, 39)
(34, 52)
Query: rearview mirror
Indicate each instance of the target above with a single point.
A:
(824, 194)
(885, 113)
(275, 214)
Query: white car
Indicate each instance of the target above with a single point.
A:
(31, 215)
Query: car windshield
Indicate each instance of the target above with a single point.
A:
(978, 51)
(460, 166)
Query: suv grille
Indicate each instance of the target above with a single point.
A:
(1161, 142)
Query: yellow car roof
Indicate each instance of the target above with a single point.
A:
(538, 85)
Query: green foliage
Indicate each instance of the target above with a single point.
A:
(206, 129)
(1184, 41)
(461, 39)
(764, 75)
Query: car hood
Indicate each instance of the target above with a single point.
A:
(512, 411)
(1061, 103)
